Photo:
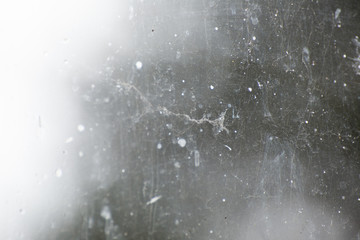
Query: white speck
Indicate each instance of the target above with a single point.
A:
(250, 89)
(343, 197)
(358, 199)
(197, 158)
(181, 142)
(131, 214)
(344, 147)
(69, 140)
(138, 65)
(337, 13)
(154, 200)
(183, 81)
(224, 200)
(81, 154)
(105, 213)
(177, 165)
(345, 84)
(175, 35)
(159, 146)
(212, 87)
(201, 130)
(254, 38)
(177, 222)
(211, 231)
(123, 170)
(216, 28)
(81, 128)
(344, 56)
(58, 172)
(306, 121)
(228, 147)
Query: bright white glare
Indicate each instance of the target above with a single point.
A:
(37, 39)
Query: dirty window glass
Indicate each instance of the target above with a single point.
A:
(196, 119)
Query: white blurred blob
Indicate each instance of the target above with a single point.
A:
(42, 43)
(106, 213)
(182, 142)
(58, 172)
(138, 65)
(81, 128)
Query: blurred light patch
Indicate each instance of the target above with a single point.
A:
(42, 44)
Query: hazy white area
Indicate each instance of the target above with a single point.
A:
(42, 44)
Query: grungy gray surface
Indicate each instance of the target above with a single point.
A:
(220, 120)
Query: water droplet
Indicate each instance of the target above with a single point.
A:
(182, 142)
(337, 13)
(197, 158)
